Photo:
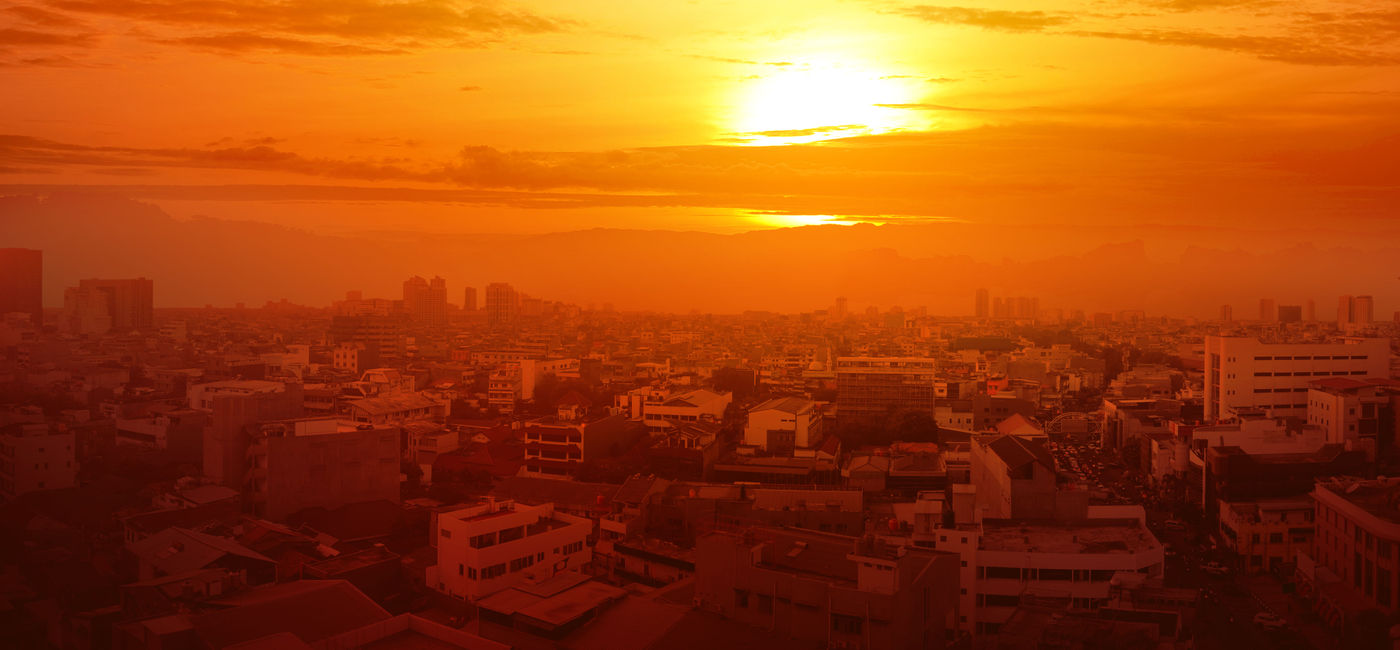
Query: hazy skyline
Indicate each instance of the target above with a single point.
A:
(538, 117)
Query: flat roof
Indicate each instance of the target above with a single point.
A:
(1093, 536)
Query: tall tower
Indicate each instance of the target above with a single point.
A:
(983, 306)
(21, 283)
(1267, 312)
(1227, 313)
(469, 299)
(502, 303)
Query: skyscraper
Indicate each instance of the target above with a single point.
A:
(426, 302)
(502, 303)
(469, 299)
(1344, 311)
(983, 307)
(1290, 313)
(1310, 311)
(1355, 310)
(21, 283)
(1227, 313)
(1267, 312)
(124, 304)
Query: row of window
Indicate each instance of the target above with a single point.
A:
(1320, 373)
(1320, 357)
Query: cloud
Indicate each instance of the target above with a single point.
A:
(725, 59)
(997, 19)
(469, 88)
(33, 38)
(799, 133)
(1306, 50)
(40, 16)
(320, 27)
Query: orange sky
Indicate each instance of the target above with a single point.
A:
(525, 117)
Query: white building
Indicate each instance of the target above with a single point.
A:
(36, 457)
(1356, 412)
(784, 423)
(1244, 373)
(695, 406)
(494, 545)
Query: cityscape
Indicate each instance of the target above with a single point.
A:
(669, 325)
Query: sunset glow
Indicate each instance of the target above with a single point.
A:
(809, 102)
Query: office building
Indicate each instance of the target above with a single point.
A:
(1355, 311)
(1290, 313)
(1356, 541)
(982, 308)
(21, 283)
(494, 545)
(1227, 313)
(502, 303)
(1243, 373)
(469, 299)
(99, 306)
(1267, 312)
(870, 389)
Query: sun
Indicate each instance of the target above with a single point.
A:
(806, 102)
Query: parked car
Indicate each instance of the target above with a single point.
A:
(1270, 621)
(1215, 569)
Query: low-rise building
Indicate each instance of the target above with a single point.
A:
(36, 457)
(488, 547)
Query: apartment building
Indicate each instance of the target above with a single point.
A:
(1266, 534)
(488, 547)
(868, 389)
(1245, 373)
(1360, 413)
(36, 457)
(558, 446)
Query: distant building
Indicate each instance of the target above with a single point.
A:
(1290, 313)
(870, 389)
(1267, 312)
(494, 545)
(383, 333)
(982, 305)
(355, 357)
(502, 303)
(21, 283)
(1244, 373)
(128, 303)
(469, 299)
(426, 301)
(1227, 313)
(559, 446)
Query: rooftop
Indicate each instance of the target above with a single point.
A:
(1094, 536)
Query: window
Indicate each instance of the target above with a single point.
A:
(493, 571)
(1275, 538)
(447, 533)
(845, 624)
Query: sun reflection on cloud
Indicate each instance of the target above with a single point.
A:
(821, 100)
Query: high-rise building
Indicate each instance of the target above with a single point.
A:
(1363, 310)
(425, 301)
(122, 305)
(869, 389)
(1310, 311)
(469, 299)
(1227, 313)
(1267, 312)
(502, 303)
(21, 283)
(1355, 310)
(983, 307)
(1290, 313)
(1245, 374)
(86, 311)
